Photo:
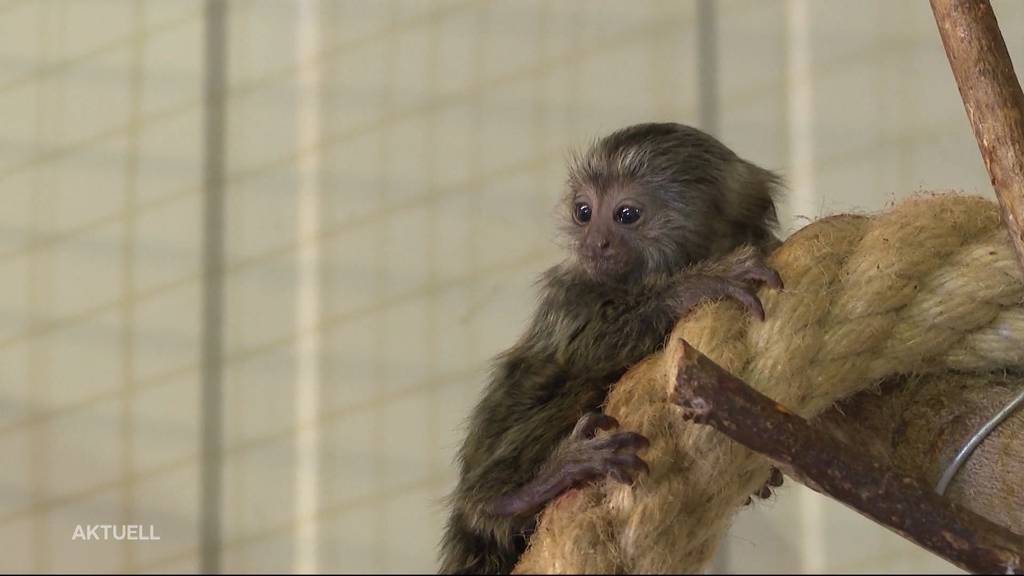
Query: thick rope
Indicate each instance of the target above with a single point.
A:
(929, 286)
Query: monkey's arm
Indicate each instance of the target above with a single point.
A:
(735, 275)
(633, 324)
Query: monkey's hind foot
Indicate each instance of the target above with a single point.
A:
(586, 457)
(765, 492)
(582, 457)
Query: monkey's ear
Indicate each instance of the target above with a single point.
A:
(751, 197)
(574, 162)
(585, 165)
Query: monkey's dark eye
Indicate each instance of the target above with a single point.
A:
(626, 214)
(582, 212)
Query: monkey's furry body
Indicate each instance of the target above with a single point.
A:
(654, 208)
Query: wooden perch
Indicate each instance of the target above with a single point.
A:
(710, 395)
(993, 99)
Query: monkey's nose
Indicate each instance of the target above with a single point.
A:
(603, 244)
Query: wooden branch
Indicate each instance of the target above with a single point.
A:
(710, 395)
(993, 99)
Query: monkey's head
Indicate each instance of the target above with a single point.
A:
(654, 198)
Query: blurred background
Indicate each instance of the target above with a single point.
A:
(255, 255)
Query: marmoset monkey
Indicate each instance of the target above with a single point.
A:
(659, 216)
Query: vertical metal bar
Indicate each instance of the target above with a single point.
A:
(707, 66)
(800, 114)
(800, 117)
(308, 298)
(48, 120)
(211, 409)
(128, 288)
(707, 119)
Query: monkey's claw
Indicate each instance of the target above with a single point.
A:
(615, 456)
(739, 283)
(753, 271)
(746, 295)
(704, 288)
(587, 457)
(590, 423)
(611, 454)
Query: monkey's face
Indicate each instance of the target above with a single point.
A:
(609, 231)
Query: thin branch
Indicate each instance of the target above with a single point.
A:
(993, 99)
(710, 395)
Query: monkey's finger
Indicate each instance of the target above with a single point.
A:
(605, 422)
(631, 462)
(761, 273)
(748, 299)
(590, 422)
(623, 441)
(776, 478)
(772, 279)
(620, 475)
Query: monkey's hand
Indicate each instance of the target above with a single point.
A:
(581, 458)
(737, 278)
